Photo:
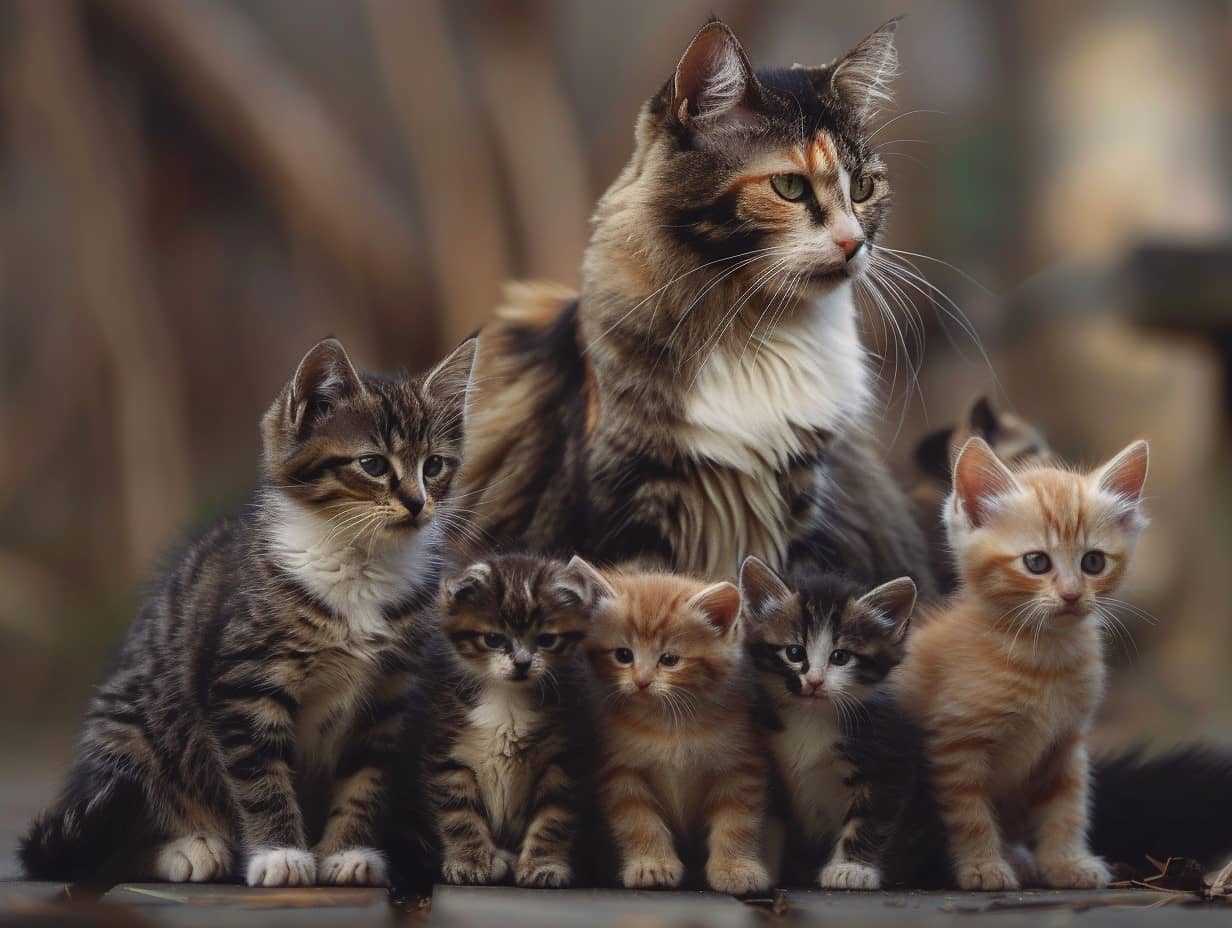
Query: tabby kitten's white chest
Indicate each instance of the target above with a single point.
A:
(813, 769)
(497, 745)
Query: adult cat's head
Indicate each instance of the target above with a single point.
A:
(770, 175)
(370, 458)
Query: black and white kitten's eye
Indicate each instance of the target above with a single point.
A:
(669, 659)
(1094, 562)
(839, 657)
(433, 466)
(623, 656)
(374, 465)
(793, 654)
(792, 187)
(861, 188)
(494, 641)
(547, 641)
(1037, 562)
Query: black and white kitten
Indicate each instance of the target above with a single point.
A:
(845, 757)
(256, 700)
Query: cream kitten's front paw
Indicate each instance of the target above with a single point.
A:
(543, 873)
(987, 875)
(653, 873)
(282, 866)
(1088, 872)
(849, 876)
(355, 866)
(737, 877)
(200, 858)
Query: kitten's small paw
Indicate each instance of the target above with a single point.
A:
(1075, 873)
(355, 866)
(737, 877)
(849, 876)
(543, 873)
(282, 866)
(987, 875)
(653, 873)
(479, 869)
(200, 858)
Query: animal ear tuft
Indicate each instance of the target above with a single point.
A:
(760, 587)
(894, 599)
(861, 79)
(465, 586)
(324, 377)
(979, 478)
(719, 604)
(1125, 475)
(586, 581)
(714, 81)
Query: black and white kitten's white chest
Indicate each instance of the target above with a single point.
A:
(813, 769)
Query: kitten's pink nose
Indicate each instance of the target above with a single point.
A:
(849, 246)
(1071, 596)
(812, 683)
(643, 682)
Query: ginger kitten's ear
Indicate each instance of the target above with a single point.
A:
(465, 586)
(714, 83)
(895, 600)
(1125, 474)
(979, 478)
(861, 79)
(325, 375)
(587, 582)
(759, 587)
(719, 603)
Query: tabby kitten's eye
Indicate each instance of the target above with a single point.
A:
(1093, 562)
(374, 465)
(792, 187)
(839, 657)
(669, 659)
(494, 641)
(433, 465)
(623, 656)
(861, 188)
(546, 641)
(794, 654)
(1037, 562)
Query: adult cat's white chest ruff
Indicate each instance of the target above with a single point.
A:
(498, 746)
(813, 770)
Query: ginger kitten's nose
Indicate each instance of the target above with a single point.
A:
(1071, 596)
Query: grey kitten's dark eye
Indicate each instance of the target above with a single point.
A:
(494, 641)
(433, 466)
(546, 641)
(623, 656)
(839, 657)
(794, 654)
(861, 188)
(669, 660)
(1093, 562)
(1037, 562)
(793, 187)
(374, 465)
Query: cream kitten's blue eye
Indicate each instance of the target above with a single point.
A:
(374, 465)
(792, 187)
(793, 654)
(494, 641)
(1093, 562)
(1037, 562)
(839, 657)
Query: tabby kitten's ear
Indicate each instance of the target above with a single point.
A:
(719, 604)
(861, 78)
(895, 600)
(714, 83)
(465, 586)
(979, 478)
(451, 379)
(760, 587)
(585, 579)
(324, 376)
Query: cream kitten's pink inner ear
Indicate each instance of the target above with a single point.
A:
(719, 604)
(979, 478)
(1125, 474)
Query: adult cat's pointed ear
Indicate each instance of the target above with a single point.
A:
(979, 478)
(325, 375)
(714, 83)
(895, 600)
(450, 379)
(760, 587)
(719, 603)
(586, 581)
(1125, 474)
(861, 79)
(466, 585)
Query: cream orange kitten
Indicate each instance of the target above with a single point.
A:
(1006, 677)
(683, 771)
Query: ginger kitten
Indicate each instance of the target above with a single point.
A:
(681, 762)
(1006, 677)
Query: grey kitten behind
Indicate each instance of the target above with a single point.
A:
(257, 697)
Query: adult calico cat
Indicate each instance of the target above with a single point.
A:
(706, 396)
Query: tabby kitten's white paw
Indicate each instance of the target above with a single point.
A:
(1087, 872)
(849, 876)
(737, 877)
(355, 866)
(282, 866)
(987, 875)
(653, 873)
(199, 858)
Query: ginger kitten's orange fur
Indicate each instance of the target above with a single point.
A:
(680, 759)
(1006, 677)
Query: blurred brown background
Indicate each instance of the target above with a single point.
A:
(193, 191)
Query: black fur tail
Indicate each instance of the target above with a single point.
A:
(92, 835)
(1176, 805)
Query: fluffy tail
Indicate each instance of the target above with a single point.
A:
(92, 834)
(1178, 804)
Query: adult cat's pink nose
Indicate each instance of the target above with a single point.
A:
(849, 246)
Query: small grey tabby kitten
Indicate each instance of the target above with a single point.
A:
(258, 696)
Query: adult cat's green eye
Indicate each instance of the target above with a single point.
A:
(669, 660)
(374, 465)
(1093, 562)
(794, 654)
(1037, 562)
(623, 656)
(433, 466)
(494, 641)
(861, 188)
(793, 187)
(839, 657)
(547, 641)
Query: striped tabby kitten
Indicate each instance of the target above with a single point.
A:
(1006, 677)
(707, 395)
(505, 718)
(681, 761)
(844, 751)
(257, 697)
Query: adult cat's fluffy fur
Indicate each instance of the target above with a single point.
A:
(706, 395)
(247, 723)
